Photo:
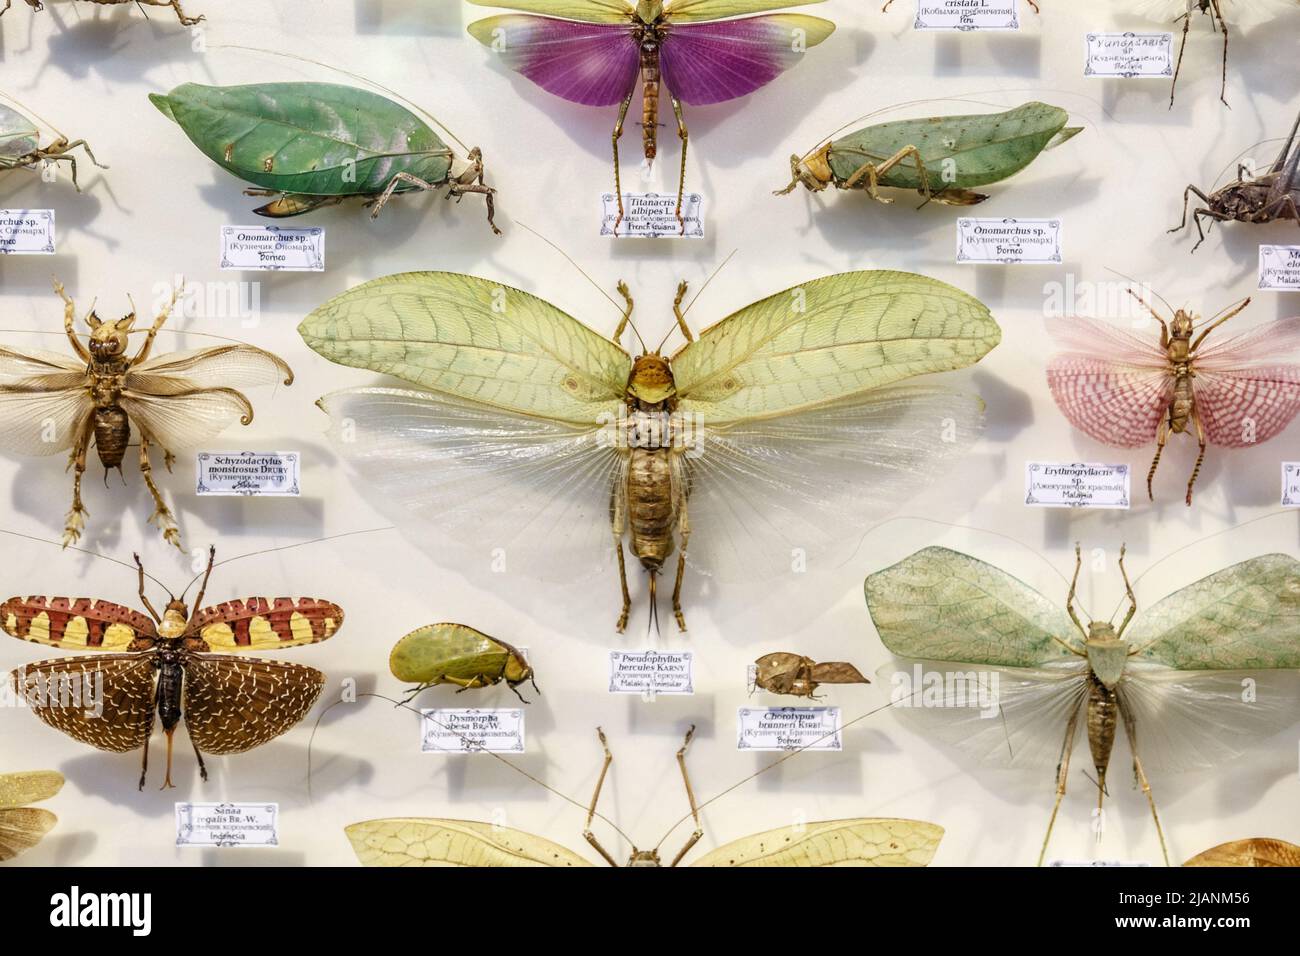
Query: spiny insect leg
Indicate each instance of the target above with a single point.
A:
(75, 522)
(1187, 25)
(1162, 436)
(1130, 728)
(1062, 772)
(681, 316)
(591, 810)
(683, 135)
(397, 180)
(203, 770)
(618, 132)
(690, 796)
(1200, 457)
(162, 514)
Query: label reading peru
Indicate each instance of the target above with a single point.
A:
(27, 232)
(1009, 241)
(455, 730)
(227, 824)
(967, 15)
(1051, 484)
(273, 248)
(1279, 268)
(652, 216)
(651, 672)
(1130, 55)
(788, 728)
(271, 474)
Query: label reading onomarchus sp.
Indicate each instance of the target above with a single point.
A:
(273, 248)
(1009, 241)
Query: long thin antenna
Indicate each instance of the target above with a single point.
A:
(93, 554)
(30, 112)
(1142, 285)
(698, 292)
(288, 547)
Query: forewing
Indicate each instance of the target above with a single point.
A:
(683, 11)
(66, 694)
(588, 11)
(1111, 403)
(475, 340)
(1244, 407)
(186, 421)
(22, 828)
(221, 366)
(43, 400)
(82, 623)
(706, 63)
(860, 842)
(595, 64)
(1244, 616)
(233, 704)
(18, 134)
(259, 624)
(829, 340)
(28, 786)
(431, 842)
(1259, 346)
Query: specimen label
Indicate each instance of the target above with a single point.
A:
(1279, 268)
(28, 232)
(788, 728)
(227, 824)
(273, 249)
(263, 473)
(1009, 241)
(1129, 55)
(454, 730)
(1050, 484)
(651, 672)
(1291, 484)
(653, 216)
(967, 15)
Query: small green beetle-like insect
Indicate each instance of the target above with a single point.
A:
(942, 158)
(318, 144)
(458, 654)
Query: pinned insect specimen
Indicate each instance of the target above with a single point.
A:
(163, 664)
(1272, 197)
(20, 145)
(51, 402)
(318, 144)
(799, 676)
(1171, 676)
(21, 826)
(941, 158)
(460, 655)
(1259, 851)
(758, 440)
(1126, 392)
(186, 20)
(592, 52)
(436, 842)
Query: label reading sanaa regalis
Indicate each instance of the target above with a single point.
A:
(227, 824)
(1050, 484)
(788, 728)
(1129, 55)
(967, 15)
(27, 232)
(454, 730)
(1279, 268)
(651, 672)
(248, 473)
(1009, 242)
(652, 216)
(273, 249)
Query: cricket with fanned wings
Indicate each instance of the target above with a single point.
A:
(775, 433)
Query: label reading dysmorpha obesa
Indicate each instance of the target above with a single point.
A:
(227, 824)
(788, 728)
(455, 730)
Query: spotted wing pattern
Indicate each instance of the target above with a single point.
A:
(233, 704)
(106, 701)
(259, 623)
(83, 623)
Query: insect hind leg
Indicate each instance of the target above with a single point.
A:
(75, 522)
(1162, 436)
(162, 515)
(1062, 773)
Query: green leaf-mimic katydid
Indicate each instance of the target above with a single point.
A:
(20, 144)
(458, 654)
(317, 144)
(942, 157)
(185, 19)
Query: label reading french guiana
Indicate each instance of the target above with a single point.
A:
(1097, 863)
(273, 248)
(788, 728)
(227, 824)
(967, 15)
(652, 216)
(452, 730)
(1009, 241)
(1279, 268)
(27, 232)
(1129, 55)
(1050, 484)
(651, 672)
(262, 473)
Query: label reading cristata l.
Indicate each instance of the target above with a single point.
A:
(1129, 55)
(1009, 242)
(248, 473)
(1051, 484)
(454, 730)
(651, 672)
(273, 249)
(27, 232)
(1279, 268)
(652, 216)
(227, 824)
(788, 728)
(967, 15)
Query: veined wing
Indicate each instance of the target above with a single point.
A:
(233, 704)
(588, 11)
(259, 624)
(82, 623)
(21, 365)
(685, 11)
(28, 786)
(764, 491)
(1243, 407)
(713, 62)
(1258, 346)
(43, 400)
(595, 64)
(476, 340)
(22, 828)
(1257, 851)
(429, 842)
(1246, 616)
(1119, 405)
(861, 842)
(1094, 337)
(829, 340)
(65, 693)
(18, 134)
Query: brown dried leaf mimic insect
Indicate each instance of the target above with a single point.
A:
(186, 21)
(797, 676)
(51, 402)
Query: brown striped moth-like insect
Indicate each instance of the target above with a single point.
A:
(162, 664)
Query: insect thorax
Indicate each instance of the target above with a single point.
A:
(644, 858)
(654, 430)
(1107, 653)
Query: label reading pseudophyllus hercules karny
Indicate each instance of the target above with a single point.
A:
(651, 672)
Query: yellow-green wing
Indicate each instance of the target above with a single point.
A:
(412, 841)
(942, 605)
(451, 650)
(829, 340)
(476, 340)
(859, 842)
(685, 11)
(1243, 617)
(588, 11)
(30, 786)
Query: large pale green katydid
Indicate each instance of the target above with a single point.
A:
(762, 442)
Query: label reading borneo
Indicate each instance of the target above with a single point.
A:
(1009, 241)
(273, 249)
(453, 730)
(1129, 55)
(788, 728)
(967, 15)
(267, 473)
(227, 824)
(1051, 484)
(652, 216)
(651, 672)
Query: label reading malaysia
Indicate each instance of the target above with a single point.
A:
(451, 730)
(1279, 268)
(227, 824)
(653, 216)
(967, 15)
(788, 728)
(1076, 485)
(1009, 241)
(27, 232)
(273, 248)
(1130, 55)
(262, 473)
(651, 672)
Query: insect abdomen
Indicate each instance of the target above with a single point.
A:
(1180, 410)
(112, 432)
(650, 98)
(1103, 715)
(650, 506)
(170, 680)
